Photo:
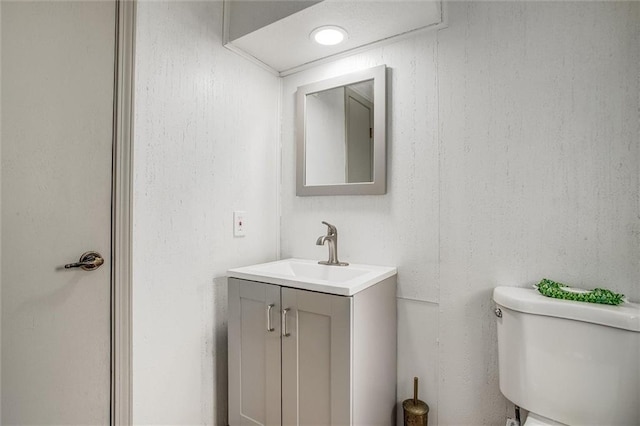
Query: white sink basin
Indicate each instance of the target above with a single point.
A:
(309, 275)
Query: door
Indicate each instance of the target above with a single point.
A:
(57, 118)
(359, 137)
(316, 359)
(254, 353)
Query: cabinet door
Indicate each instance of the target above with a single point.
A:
(316, 360)
(254, 353)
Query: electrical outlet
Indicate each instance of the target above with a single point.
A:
(239, 223)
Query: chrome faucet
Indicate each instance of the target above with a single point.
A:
(332, 239)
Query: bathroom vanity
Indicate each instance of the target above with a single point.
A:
(312, 344)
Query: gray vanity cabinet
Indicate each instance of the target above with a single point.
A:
(294, 358)
(316, 365)
(254, 354)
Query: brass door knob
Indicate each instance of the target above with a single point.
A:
(88, 261)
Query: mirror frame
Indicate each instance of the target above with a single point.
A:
(379, 184)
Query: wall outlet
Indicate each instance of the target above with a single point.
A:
(239, 223)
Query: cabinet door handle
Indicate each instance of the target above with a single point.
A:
(284, 323)
(269, 326)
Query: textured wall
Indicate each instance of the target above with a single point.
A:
(513, 155)
(206, 128)
(539, 170)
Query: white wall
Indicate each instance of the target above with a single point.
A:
(206, 128)
(539, 170)
(513, 155)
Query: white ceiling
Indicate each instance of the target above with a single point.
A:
(285, 45)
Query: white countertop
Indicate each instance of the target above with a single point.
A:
(309, 275)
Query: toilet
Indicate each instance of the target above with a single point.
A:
(568, 363)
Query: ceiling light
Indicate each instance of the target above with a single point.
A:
(328, 35)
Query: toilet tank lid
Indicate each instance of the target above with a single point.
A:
(625, 316)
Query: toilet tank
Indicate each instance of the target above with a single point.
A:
(573, 362)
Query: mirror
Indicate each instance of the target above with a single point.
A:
(341, 146)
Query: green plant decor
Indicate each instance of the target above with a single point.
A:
(561, 291)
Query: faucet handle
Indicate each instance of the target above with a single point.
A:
(332, 229)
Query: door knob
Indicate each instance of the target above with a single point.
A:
(88, 261)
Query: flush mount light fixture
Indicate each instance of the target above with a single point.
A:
(328, 35)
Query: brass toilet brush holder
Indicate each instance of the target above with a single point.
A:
(416, 412)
